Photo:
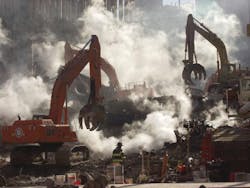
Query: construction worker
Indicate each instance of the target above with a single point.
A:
(118, 155)
(118, 159)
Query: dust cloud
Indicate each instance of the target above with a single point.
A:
(150, 51)
(231, 35)
(147, 46)
(22, 96)
(138, 53)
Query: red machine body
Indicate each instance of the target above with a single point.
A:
(37, 131)
(53, 129)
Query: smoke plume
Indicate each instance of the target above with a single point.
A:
(218, 116)
(138, 53)
(231, 35)
(22, 96)
(50, 56)
(152, 50)
(148, 46)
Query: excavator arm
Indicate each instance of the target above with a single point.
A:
(105, 66)
(111, 73)
(192, 26)
(66, 76)
(92, 111)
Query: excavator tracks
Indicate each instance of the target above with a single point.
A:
(67, 154)
(25, 155)
(70, 155)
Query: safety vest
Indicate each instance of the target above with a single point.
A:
(117, 156)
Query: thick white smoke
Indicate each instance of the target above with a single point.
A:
(50, 56)
(218, 116)
(22, 96)
(152, 133)
(149, 134)
(227, 27)
(138, 53)
(142, 49)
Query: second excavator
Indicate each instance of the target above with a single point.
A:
(225, 70)
(49, 137)
(228, 83)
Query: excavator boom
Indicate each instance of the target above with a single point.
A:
(45, 134)
(66, 76)
(194, 25)
(224, 67)
(105, 66)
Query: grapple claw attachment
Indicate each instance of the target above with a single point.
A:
(94, 116)
(197, 69)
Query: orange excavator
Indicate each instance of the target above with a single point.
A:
(49, 137)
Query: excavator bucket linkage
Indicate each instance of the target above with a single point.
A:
(196, 68)
(94, 116)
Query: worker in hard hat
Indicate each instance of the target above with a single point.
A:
(118, 155)
(118, 163)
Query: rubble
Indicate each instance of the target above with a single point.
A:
(202, 153)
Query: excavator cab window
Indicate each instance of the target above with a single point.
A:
(229, 68)
(39, 116)
(232, 68)
(248, 30)
(245, 84)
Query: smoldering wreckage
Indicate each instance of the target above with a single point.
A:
(46, 151)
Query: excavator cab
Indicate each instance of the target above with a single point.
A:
(227, 72)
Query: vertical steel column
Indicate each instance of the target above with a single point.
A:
(117, 9)
(123, 10)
